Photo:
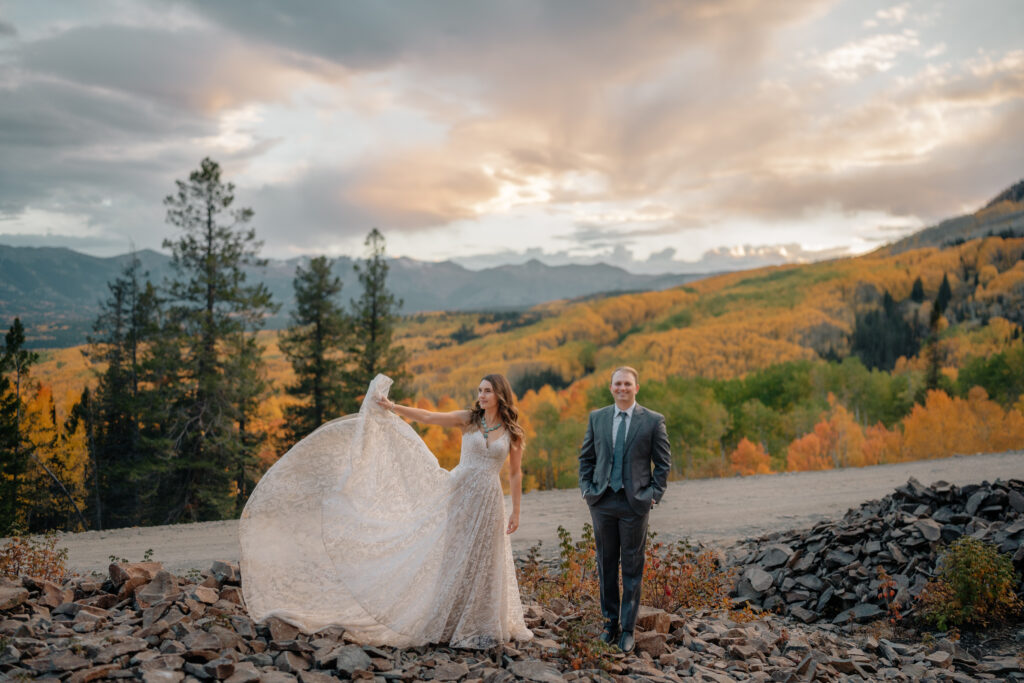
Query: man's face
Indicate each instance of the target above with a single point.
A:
(624, 388)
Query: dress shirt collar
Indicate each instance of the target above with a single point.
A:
(629, 411)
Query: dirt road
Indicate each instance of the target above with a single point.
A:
(716, 511)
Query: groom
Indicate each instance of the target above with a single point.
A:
(624, 463)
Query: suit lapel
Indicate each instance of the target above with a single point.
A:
(605, 428)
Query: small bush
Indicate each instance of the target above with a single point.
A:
(36, 557)
(680, 577)
(974, 587)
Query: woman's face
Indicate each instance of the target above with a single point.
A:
(485, 395)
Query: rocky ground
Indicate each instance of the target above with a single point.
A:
(139, 621)
(833, 571)
(144, 623)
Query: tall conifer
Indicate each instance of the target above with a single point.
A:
(120, 435)
(372, 349)
(15, 361)
(314, 344)
(213, 316)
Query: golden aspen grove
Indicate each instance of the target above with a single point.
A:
(756, 371)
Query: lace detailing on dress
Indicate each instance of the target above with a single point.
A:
(357, 525)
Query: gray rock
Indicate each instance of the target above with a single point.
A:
(811, 582)
(226, 572)
(201, 640)
(163, 587)
(759, 579)
(930, 529)
(273, 676)
(61, 661)
(776, 556)
(245, 672)
(536, 671)
(281, 629)
(450, 671)
(499, 676)
(9, 655)
(975, 501)
(291, 662)
(315, 677)
(112, 651)
(999, 665)
(862, 613)
(351, 658)
(804, 615)
(12, 594)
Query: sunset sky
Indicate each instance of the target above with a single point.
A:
(660, 136)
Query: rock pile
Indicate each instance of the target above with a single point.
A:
(831, 572)
(143, 623)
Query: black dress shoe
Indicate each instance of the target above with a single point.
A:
(608, 635)
(626, 642)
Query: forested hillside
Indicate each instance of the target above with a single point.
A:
(844, 363)
(183, 397)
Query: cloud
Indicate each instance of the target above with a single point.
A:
(200, 70)
(878, 53)
(632, 124)
(895, 14)
(7, 29)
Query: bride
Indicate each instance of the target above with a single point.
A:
(358, 526)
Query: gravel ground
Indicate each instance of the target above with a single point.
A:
(713, 511)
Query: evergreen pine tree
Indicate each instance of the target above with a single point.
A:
(944, 296)
(122, 476)
(212, 316)
(314, 344)
(15, 362)
(372, 349)
(917, 291)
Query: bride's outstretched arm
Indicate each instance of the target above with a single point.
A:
(456, 418)
(515, 483)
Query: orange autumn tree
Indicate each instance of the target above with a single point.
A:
(554, 423)
(883, 445)
(750, 458)
(836, 441)
(946, 426)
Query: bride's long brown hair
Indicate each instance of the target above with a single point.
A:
(508, 413)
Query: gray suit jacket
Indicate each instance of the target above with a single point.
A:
(646, 461)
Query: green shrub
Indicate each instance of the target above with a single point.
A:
(975, 586)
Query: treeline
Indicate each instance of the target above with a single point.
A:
(170, 431)
(801, 415)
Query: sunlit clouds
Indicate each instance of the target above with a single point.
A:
(657, 135)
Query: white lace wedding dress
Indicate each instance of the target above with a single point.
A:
(358, 526)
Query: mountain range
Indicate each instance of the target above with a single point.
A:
(56, 291)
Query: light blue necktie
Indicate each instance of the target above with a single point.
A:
(618, 451)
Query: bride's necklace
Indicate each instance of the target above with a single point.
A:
(485, 429)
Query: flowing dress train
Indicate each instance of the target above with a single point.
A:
(358, 526)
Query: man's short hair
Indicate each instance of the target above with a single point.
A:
(626, 368)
